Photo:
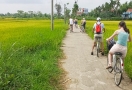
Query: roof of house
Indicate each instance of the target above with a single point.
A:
(79, 13)
(129, 10)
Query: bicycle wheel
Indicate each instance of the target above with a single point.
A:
(117, 67)
(76, 26)
(118, 73)
(118, 78)
(109, 69)
(71, 29)
(97, 49)
(82, 28)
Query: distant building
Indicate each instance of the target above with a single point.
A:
(82, 11)
(127, 14)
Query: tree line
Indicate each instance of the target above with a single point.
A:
(22, 14)
(111, 10)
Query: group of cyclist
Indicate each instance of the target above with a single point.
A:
(122, 33)
(75, 22)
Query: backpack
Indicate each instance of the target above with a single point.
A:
(110, 44)
(98, 28)
(84, 23)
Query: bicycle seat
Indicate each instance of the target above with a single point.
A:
(118, 53)
(98, 37)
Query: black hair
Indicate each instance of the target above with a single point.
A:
(123, 24)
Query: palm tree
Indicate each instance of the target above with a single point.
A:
(117, 6)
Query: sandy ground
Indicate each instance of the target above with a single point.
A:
(86, 71)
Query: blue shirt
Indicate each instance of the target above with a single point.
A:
(122, 38)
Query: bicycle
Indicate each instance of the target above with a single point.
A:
(75, 25)
(82, 28)
(98, 44)
(117, 66)
(71, 28)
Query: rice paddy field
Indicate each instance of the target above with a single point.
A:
(110, 27)
(29, 54)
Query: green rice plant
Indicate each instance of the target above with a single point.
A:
(29, 54)
(110, 27)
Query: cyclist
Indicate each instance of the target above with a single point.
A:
(76, 23)
(71, 22)
(98, 35)
(123, 34)
(83, 23)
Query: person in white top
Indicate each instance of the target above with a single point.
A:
(71, 22)
(98, 35)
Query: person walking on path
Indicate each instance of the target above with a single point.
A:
(123, 34)
(71, 22)
(100, 34)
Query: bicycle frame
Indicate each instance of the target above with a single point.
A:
(114, 61)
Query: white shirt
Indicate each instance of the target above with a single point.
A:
(70, 21)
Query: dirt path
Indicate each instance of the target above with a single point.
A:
(84, 71)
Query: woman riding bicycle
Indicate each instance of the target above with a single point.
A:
(123, 34)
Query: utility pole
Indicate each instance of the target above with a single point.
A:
(65, 13)
(52, 22)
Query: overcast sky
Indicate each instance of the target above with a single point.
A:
(45, 5)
